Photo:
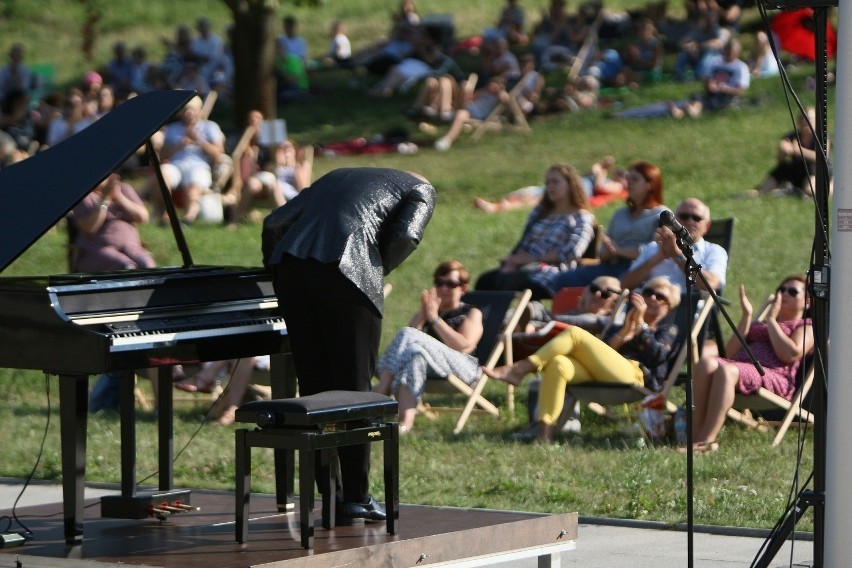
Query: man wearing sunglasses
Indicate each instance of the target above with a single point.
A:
(663, 257)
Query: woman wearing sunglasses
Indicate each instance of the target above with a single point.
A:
(437, 343)
(635, 353)
(779, 342)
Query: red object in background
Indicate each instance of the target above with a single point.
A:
(795, 32)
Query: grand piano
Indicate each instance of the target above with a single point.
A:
(77, 325)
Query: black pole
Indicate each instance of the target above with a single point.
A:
(819, 278)
(819, 292)
(689, 272)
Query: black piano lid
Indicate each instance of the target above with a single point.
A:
(37, 192)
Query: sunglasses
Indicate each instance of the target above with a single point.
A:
(793, 292)
(444, 283)
(659, 296)
(604, 292)
(690, 217)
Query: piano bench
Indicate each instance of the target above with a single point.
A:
(317, 425)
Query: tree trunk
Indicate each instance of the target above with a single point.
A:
(253, 44)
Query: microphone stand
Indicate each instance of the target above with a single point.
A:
(692, 270)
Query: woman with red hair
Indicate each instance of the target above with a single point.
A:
(630, 227)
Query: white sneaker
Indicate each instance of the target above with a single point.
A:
(572, 426)
(442, 144)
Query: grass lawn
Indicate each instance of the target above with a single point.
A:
(599, 472)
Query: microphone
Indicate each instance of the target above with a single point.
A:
(667, 219)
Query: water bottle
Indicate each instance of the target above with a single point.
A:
(680, 426)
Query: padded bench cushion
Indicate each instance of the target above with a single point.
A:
(321, 408)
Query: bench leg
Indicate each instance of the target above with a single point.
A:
(243, 484)
(331, 464)
(391, 451)
(306, 496)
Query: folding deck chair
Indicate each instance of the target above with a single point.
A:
(610, 394)
(763, 400)
(496, 342)
(508, 112)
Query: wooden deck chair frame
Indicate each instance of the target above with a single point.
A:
(764, 399)
(600, 395)
(508, 105)
(489, 352)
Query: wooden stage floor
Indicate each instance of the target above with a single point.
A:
(205, 538)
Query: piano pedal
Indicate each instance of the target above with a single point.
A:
(185, 506)
(159, 514)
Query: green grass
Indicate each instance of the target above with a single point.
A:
(601, 472)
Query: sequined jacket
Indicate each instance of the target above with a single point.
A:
(367, 220)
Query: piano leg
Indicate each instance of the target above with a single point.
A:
(282, 379)
(165, 425)
(73, 411)
(128, 434)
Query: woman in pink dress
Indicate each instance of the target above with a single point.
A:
(779, 342)
(107, 237)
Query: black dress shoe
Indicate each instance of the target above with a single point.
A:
(350, 513)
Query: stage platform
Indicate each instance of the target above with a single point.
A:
(428, 536)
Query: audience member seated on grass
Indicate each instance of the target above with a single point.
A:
(596, 183)
(663, 258)
(191, 79)
(107, 238)
(104, 236)
(438, 342)
(795, 170)
(635, 353)
(380, 56)
(291, 75)
(705, 40)
(72, 120)
(630, 228)
(580, 94)
(15, 75)
(511, 23)
(208, 50)
(557, 233)
(340, 48)
(140, 71)
(762, 62)
(119, 70)
(281, 179)
(442, 92)
(779, 343)
(291, 41)
(190, 146)
(495, 91)
(239, 373)
(178, 54)
(559, 36)
(17, 122)
(428, 61)
(727, 81)
(643, 56)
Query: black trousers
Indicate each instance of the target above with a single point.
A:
(334, 332)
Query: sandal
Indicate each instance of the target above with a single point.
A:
(707, 447)
(700, 448)
(196, 384)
